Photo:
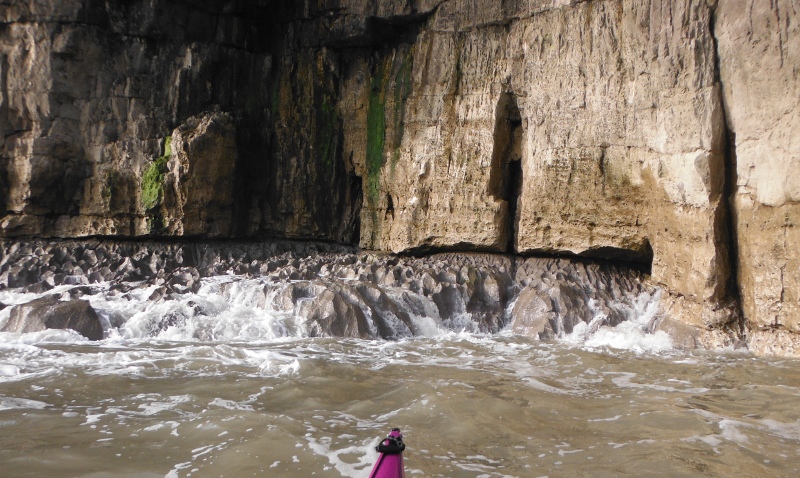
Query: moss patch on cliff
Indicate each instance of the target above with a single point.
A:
(153, 183)
(400, 85)
(390, 87)
(153, 178)
(402, 90)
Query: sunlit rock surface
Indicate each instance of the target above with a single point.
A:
(759, 55)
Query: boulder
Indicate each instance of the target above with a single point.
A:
(533, 314)
(569, 302)
(50, 313)
(329, 314)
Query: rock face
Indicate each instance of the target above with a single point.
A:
(759, 57)
(199, 184)
(50, 313)
(591, 128)
(92, 92)
(658, 132)
(594, 129)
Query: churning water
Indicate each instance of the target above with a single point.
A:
(229, 388)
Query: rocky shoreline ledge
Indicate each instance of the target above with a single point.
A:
(338, 291)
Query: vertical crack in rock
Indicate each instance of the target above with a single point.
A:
(512, 193)
(389, 206)
(5, 131)
(728, 202)
(505, 177)
(355, 204)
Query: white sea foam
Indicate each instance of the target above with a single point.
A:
(632, 334)
(612, 419)
(9, 403)
(625, 380)
(233, 308)
(8, 370)
(731, 431)
(363, 454)
(790, 430)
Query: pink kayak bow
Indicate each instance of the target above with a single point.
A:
(390, 461)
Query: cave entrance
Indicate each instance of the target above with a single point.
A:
(505, 176)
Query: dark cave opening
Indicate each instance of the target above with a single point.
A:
(640, 259)
(730, 222)
(389, 207)
(511, 192)
(505, 175)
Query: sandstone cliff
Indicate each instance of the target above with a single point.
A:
(657, 132)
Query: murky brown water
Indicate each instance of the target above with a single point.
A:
(468, 406)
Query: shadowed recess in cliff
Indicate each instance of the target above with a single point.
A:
(729, 211)
(640, 259)
(311, 190)
(505, 177)
(389, 31)
(395, 30)
(345, 189)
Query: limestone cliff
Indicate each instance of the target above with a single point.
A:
(759, 56)
(93, 91)
(657, 132)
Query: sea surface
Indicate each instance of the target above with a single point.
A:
(240, 391)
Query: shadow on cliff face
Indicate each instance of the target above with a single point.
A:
(641, 259)
(394, 30)
(505, 177)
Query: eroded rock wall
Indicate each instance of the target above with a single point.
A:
(92, 93)
(759, 54)
(652, 131)
(588, 128)
(656, 132)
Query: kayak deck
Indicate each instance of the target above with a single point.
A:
(390, 460)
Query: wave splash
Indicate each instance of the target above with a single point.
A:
(213, 293)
